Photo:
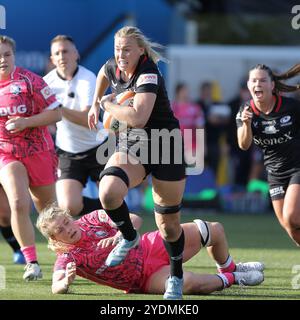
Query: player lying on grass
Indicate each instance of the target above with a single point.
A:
(83, 245)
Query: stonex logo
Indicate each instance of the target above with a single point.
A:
(2, 17)
(273, 141)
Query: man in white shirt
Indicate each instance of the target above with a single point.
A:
(76, 144)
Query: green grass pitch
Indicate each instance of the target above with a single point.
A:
(250, 237)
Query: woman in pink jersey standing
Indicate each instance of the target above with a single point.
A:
(27, 158)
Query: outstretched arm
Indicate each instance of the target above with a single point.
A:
(102, 84)
(62, 280)
(244, 132)
(75, 116)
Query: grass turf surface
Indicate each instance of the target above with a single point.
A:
(250, 237)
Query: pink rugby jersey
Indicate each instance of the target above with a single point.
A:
(23, 95)
(90, 259)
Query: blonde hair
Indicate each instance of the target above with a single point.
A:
(143, 42)
(62, 37)
(10, 41)
(49, 214)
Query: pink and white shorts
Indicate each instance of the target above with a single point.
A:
(41, 167)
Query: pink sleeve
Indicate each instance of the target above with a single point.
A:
(62, 261)
(96, 218)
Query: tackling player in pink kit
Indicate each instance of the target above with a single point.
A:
(27, 158)
(82, 247)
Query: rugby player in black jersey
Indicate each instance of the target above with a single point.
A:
(134, 67)
(272, 122)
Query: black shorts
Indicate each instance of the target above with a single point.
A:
(79, 166)
(164, 161)
(278, 185)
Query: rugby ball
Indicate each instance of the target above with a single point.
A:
(10, 126)
(123, 99)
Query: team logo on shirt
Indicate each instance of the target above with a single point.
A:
(269, 126)
(285, 121)
(102, 216)
(147, 78)
(46, 92)
(101, 234)
(270, 130)
(15, 89)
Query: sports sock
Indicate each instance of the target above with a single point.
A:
(121, 218)
(227, 278)
(228, 266)
(175, 250)
(9, 237)
(29, 254)
(90, 205)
